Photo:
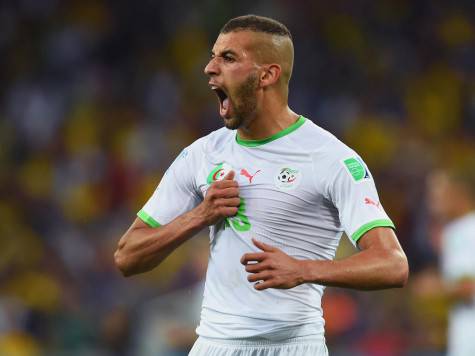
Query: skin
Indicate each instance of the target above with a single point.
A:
(142, 248)
(254, 69)
(367, 270)
(237, 57)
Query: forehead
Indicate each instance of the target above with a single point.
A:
(240, 42)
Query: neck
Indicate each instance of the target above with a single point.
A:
(267, 122)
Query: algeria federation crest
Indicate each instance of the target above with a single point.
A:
(219, 172)
(287, 178)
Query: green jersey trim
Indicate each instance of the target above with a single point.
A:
(254, 143)
(371, 225)
(148, 219)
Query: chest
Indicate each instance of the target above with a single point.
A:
(274, 175)
(275, 186)
(281, 201)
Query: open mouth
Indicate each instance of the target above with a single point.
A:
(223, 100)
(221, 94)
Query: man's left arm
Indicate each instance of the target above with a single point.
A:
(380, 263)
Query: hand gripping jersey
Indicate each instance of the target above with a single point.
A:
(299, 189)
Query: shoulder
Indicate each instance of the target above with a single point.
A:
(324, 147)
(218, 140)
(332, 160)
(212, 142)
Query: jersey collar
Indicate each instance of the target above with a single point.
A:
(254, 143)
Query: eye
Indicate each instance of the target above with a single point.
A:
(228, 59)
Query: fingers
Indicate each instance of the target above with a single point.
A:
(256, 267)
(229, 175)
(221, 184)
(265, 285)
(262, 266)
(262, 276)
(221, 200)
(228, 211)
(263, 279)
(227, 207)
(220, 194)
(227, 202)
(253, 257)
(227, 187)
(227, 193)
(264, 247)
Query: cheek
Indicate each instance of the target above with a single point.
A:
(239, 72)
(235, 78)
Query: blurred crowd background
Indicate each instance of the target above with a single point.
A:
(98, 97)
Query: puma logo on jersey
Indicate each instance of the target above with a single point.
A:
(370, 201)
(246, 174)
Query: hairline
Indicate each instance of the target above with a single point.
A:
(256, 30)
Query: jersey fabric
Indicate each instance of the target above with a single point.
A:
(299, 189)
(458, 262)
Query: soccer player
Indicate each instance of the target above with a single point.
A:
(452, 200)
(277, 192)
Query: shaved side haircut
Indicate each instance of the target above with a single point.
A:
(273, 43)
(257, 24)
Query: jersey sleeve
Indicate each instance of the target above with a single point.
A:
(177, 192)
(354, 194)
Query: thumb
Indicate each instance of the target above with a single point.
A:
(229, 175)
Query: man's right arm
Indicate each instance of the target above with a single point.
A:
(142, 247)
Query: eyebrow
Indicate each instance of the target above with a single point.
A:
(225, 52)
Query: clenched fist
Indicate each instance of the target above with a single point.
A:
(221, 201)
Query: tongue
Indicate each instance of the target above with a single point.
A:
(225, 106)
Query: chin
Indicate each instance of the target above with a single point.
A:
(232, 123)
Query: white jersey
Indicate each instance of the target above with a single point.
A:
(299, 189)
(458, 262)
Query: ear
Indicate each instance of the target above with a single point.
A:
(270, 75)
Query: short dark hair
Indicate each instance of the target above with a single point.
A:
(257, 24)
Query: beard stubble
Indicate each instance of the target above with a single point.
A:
(245, 103)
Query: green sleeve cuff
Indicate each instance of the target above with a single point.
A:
(371, 225)
(148, 219)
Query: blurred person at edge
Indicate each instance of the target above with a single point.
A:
(451, 200)
(277, 192)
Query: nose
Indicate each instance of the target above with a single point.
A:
(211, 68)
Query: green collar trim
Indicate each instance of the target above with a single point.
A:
(254, 143)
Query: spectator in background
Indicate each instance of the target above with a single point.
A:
(451, 194)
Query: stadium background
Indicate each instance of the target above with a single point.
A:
(98, 97)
